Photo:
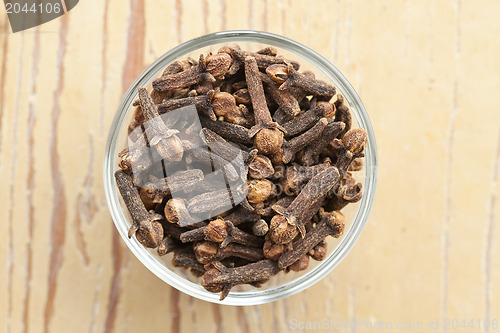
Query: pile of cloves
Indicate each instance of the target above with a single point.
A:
(285, 151)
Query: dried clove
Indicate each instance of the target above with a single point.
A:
(237, 217)
(318, 252)
(187, 259)
(242, 96)
(176, 212)
(201, 103)
(216, 231)
(300, 96)
(222, 279)
(229, 131)
(165, 140)
(352, 146)
(295, 214)
(260, 227)
(273, 250)
(297, 175)
(348, 191)
(259, 190)
(291, 147)
(314, 149)
(268, 50)
(207, 252)
(268, 137)
(158, 96)
(193, 235)
(356, 164)
(224, 105)
(310, 85)
(153, 192)
(173, 230)
(136, 157)
(242, 215)
(332, 224)
(306, 120)
(283, 98)
(260, 167)
(263, 60)
(224, 232)
(278, 72)
(301, 264)
(343, 114)
(167, 245)
(207, 70)
(149, 232)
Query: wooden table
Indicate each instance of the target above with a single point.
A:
(428, 74)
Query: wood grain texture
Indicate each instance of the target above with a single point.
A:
(428, 74)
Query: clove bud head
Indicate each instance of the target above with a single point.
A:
(268, 140)
(319, 251)
(335, 220)
(259, 190)
(278, 72)
(150, 234)
(205, 252)
(356, 164)
(260, 167)
(281, 231)
(242, 96)
(223, 102)
(300, 264)
(216, 231)
(218, 64)
(207, 281)
(272, 250)
(149, 196)
(260, 227)
(325, 109)
(355, 140)
(224, 105)
(175, 210)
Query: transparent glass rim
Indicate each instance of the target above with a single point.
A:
(348, 239)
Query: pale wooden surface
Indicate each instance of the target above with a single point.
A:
(428, 74)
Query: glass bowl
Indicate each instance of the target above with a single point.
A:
(282, 285)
